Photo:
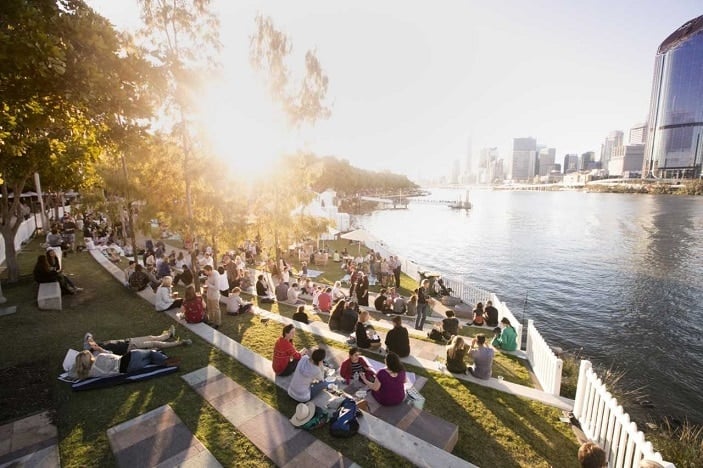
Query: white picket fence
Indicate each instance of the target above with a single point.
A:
(605, 422)
(25, 232)
(545, 364)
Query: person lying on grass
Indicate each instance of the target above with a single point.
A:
(122, 347)
(108, 364)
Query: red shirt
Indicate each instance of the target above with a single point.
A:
(324, 302)
(283, 351)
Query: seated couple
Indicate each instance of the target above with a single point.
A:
(344, 316)
(481, 354)
(448, 328)
(366, 336)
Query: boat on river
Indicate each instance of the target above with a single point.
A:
(461, 204)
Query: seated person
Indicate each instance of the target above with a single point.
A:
(285, 356)
(292, 295)
(412, 304)
(235, 304)
(165, 298)
(300, 315)
(482, 356)
(381, 301)
(193, 309)
(222, 281)
(262, 291)
(350, 315)
(131, 268)
(450, 325)
(337, 292)
(45, 273)
(388, 388)
(591, 455)
(355, 365)
(366, 336)
(108, 364)
(282, 292)
(162, 268)
(456, 352)
(186, 275)
(478, 315)
(490, 315)
(308, 377)
(399, 306)
(507, 339)
(397, 340)
(324, 300)
(122, 347)
(335, 321)
(140, 279)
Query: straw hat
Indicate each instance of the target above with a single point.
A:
(303, 413)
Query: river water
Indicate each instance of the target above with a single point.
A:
(617, 276)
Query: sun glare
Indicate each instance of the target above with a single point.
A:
(244, 127)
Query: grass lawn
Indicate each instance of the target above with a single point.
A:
(496, 429)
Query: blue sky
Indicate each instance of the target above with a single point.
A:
(411, 83)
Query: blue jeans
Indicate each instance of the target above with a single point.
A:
(140, 358)
(422, 311)
(316, 388)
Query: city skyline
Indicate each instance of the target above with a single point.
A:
(410, 86)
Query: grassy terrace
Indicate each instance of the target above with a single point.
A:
(496, 429)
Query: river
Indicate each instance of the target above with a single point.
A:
(618, 277)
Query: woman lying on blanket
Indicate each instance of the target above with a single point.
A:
(121, 347)
(107, 364)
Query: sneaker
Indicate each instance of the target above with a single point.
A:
(171, 331)
(186, 342)
(88, 336)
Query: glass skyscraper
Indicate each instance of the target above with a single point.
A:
(675, 128)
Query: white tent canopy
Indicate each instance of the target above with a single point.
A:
(359, 235)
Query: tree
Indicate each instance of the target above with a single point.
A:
(183, 36)
(62, 67)
(302, 103)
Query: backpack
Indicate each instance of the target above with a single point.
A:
(318, 420)
(343, 422)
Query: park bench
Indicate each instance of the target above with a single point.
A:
(49, 296)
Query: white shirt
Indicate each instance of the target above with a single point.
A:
(213, 283)
(223, 283)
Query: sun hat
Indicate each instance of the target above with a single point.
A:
(303, 413)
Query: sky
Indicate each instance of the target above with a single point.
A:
(414, 85)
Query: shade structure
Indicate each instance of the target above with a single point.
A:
(360, 236)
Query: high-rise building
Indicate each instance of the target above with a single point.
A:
(638, 134)
(487, 166)
(571, 163)
(588, 161)
(675, 124)
(609, 147)
(627, 161)
(547, 158)
(524, 159)
(454, 178)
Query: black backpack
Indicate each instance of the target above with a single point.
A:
(344, 422)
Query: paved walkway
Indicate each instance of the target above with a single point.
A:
(30, 442)
(158, 439)
(264, 426)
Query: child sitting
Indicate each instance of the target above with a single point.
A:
(235, 304)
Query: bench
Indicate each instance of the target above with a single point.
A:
(49, 296)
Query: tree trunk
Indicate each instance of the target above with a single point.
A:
(13, 268)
